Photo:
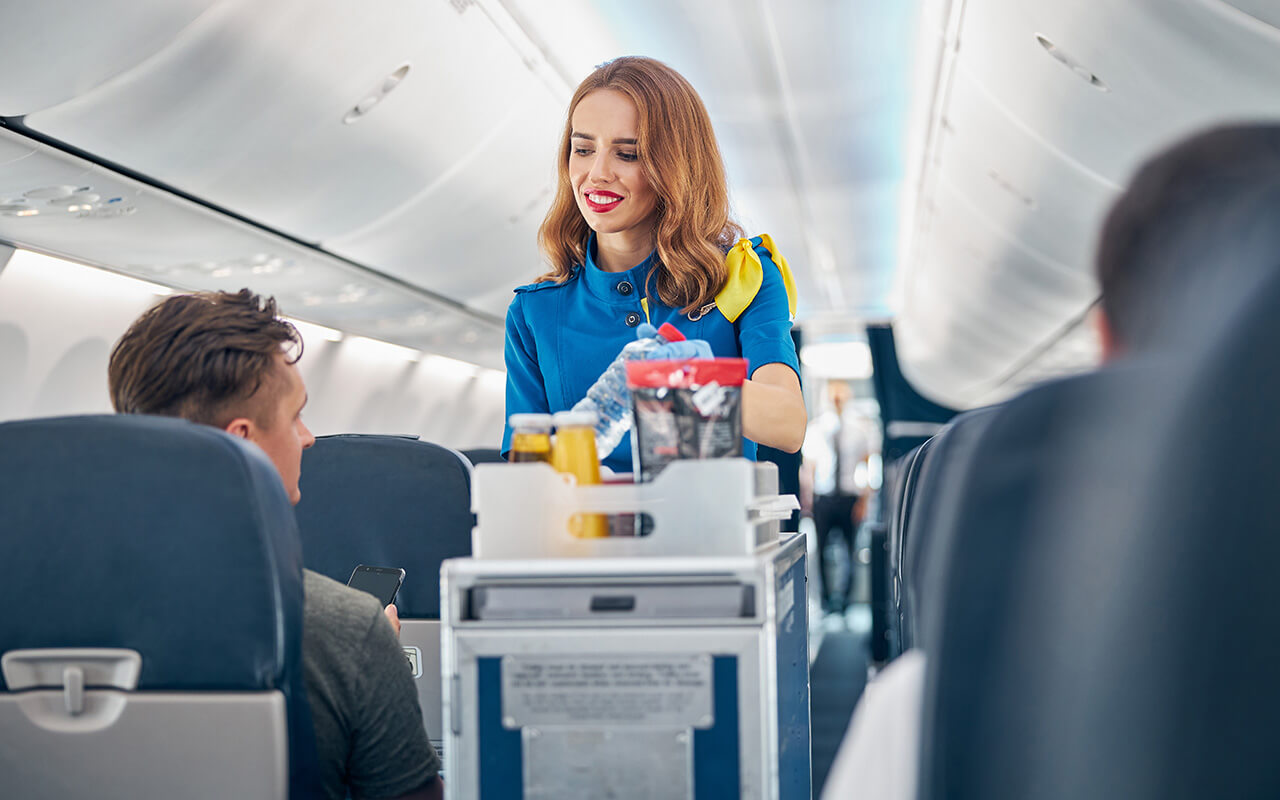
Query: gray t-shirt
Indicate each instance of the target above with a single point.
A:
(369, 731)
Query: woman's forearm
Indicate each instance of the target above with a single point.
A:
(773, 411)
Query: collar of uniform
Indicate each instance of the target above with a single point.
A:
(604, 285)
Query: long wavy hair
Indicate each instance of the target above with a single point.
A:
(681, 160)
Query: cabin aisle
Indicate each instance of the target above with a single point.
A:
(836, 680)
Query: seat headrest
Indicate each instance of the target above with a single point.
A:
(386, 501)
(153, 534)
(484, 455)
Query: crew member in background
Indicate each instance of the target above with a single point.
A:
(836, 449)
(639, 231)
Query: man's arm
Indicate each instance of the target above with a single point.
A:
(389, 750)
(434, 790)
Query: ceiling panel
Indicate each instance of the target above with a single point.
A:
(56, 50)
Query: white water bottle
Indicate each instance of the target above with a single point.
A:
(609, 398)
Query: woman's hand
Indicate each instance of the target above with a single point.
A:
(679, 351)
(673, 351)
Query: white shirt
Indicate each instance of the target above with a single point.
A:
(820, 445)
(880, 754)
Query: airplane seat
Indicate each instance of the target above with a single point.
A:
(390, 501)
(925, 541)
(484, 455)
(150, 615)
(1012, 468)
(1140, 662)
(905, 477)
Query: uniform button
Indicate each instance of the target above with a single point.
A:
(625, 288)
(632, 319)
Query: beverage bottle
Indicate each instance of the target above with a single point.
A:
(608, 396)
(530, 438)
(574, 453)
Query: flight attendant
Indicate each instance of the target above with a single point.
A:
(639, 232)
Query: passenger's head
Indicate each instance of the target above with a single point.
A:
(839, 393)
(1197, 225)
(636, 127)
(220, 359)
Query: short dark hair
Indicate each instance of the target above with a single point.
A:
(201, 357)
(1198, 222)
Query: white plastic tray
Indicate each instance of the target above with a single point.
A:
(717, 507)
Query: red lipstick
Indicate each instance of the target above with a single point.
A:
(602, 208)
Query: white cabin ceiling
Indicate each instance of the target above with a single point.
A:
(412, 222)
(240, 105)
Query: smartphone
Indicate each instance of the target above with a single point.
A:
(381, 582)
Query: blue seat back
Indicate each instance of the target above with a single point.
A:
(1011, 472)
(389, 501)
(1137, 659)
(168, 538)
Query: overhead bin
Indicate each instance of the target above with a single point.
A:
(1167, 68)
(61, 204)
(1040, 113)
(407, 136)
(56, 50)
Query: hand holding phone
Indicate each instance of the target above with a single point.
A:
(381, 582)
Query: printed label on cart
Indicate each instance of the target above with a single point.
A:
(669, 691)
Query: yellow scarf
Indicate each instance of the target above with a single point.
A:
(746, 274)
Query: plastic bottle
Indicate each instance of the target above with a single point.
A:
(574, 453)
(530, 438)
(608, 396)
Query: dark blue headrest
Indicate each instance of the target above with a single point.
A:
(484, 455)
(386, 501)
(154, 534)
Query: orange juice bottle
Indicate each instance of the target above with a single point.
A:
(530, 438)
(574, 453)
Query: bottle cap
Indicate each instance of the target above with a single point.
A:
(575, 419)
(530, 420)
(670, 332)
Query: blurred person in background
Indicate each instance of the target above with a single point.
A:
(836, 452)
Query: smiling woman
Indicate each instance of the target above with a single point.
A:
(640, 231)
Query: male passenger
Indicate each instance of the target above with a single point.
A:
(1177, 200)
(229, 361)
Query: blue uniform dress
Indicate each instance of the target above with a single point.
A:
(562, 336)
